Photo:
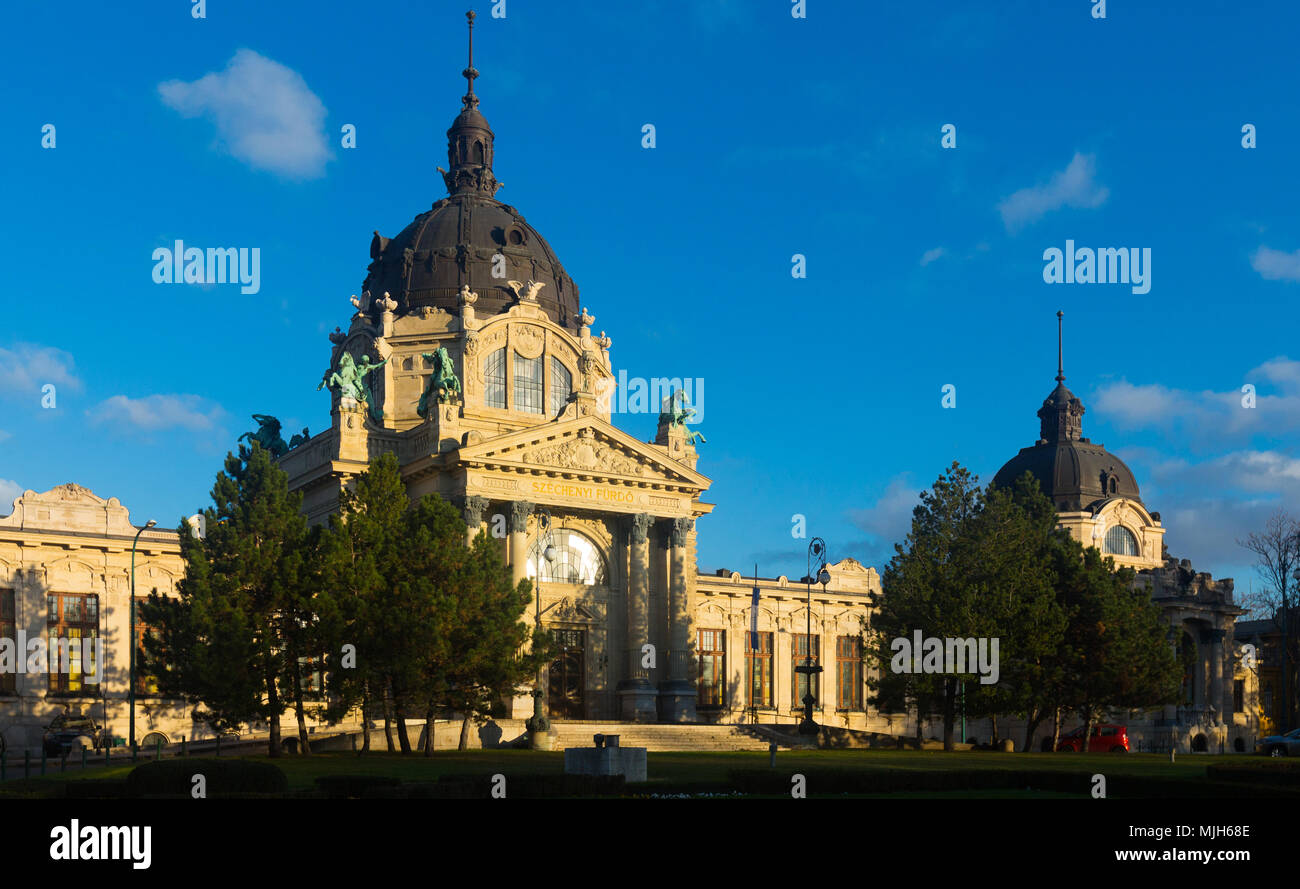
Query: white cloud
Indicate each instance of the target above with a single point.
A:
(9, 492)
(264, 113)
(932, 254)
(1072, 187)
(889, 519)
(1209, 505)
(1208, 417)
(1275, 265)
(157, 412)
(26, 367)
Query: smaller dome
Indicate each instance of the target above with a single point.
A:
(1073, 472)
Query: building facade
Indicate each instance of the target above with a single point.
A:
(1098, 501)
(491, 389)
(65, 589)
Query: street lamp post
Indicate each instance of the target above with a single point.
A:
(817, 552)
(539, 725)
(130, 689)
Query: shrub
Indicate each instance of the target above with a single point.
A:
(1274, 772)
(225, 777)
(358, 786)
(96, 788)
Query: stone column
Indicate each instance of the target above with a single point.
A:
(677, 692)
(636, 694)
(473, 508)
(520, 510)
(1216, 655)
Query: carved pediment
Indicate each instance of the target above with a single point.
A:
(587, 452)
(572, 612)
(585, 446)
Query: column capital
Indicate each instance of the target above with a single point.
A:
(473, 506)
(640, 526)
(520, 510)
(681, 528)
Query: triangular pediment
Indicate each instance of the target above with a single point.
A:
(586, 446)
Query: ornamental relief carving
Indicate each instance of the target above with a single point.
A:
(528, 340)
(586, 453)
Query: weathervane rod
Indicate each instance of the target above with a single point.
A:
(1060, 363)
(469, 73)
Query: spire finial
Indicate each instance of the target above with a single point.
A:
(1060, 364)
(470, 100)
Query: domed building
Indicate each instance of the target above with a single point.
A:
(1094, 491)
(1098, 501)
(468, 357)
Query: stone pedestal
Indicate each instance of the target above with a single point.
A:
(677, 701)
(629, 762)
(638, 701)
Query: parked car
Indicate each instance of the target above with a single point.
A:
(1280, 745)
(70, 732)
(1106, 738)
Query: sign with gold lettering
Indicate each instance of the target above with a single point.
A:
(594, 493)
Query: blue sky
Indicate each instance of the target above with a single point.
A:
(775, 136)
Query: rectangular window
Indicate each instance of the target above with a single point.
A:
(713, 668)
(72, 626)
(1238, 696)
(9, 630)
(528, 384)
(848, 671)
(561, 386)
(144, 684)
(798, 655)
(313, 680)
(494, 379)
(758, 671)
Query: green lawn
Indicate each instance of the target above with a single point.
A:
(701, 770)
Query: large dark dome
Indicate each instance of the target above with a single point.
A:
(453, 244)
(1072, 471)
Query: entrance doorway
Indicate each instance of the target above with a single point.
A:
(567, 676)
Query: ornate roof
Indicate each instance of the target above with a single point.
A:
(454, 243)
(1073, 472)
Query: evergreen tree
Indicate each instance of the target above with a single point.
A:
(230, 642)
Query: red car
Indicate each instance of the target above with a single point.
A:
(1105, 739)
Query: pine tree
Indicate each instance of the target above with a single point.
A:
(229, 642)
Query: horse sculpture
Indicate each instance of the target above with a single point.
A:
(350, 380)
(682, 412)
(443, 383)
(267, 435)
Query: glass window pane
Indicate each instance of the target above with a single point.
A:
(561, 386)
(528, 384)
(494, 379)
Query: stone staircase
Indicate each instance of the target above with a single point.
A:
(659, 737)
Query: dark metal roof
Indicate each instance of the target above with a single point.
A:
(1072, 471)
(454, 242)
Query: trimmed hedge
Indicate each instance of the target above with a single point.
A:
(835, 783)
(96, 788)
(225, 777)
(358, 786)
(519, 787)
(1273, 772)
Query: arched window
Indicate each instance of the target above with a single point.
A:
(1121, 542)
(1114, 485)
(478, 152)
(494, 379)
(577, 560)
(528, 384)
(561, 386)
